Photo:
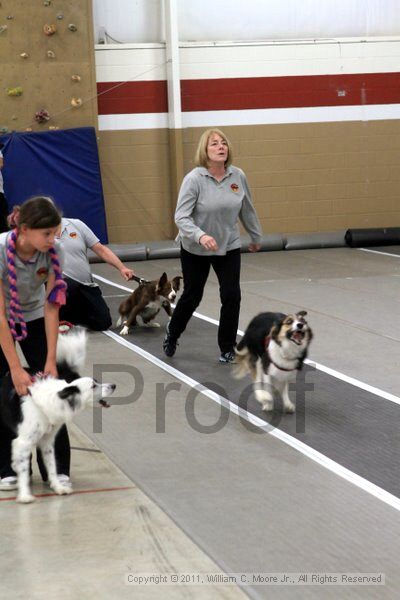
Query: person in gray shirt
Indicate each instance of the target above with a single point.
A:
(212, 198)
(30, 271)
(85, 303)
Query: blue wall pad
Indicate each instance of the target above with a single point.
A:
(125, 252)
(62, 164)
(386, 236)
(304, 241)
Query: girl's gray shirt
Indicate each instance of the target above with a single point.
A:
(206, 206)
(31, 277)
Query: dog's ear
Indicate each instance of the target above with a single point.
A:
(176, 282)
(302, 313)
(163, 280)
(275, 329)
(69, 394)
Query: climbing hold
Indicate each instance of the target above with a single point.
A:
(24, 55)
(76, 102)
(4, 129)
(3, 28)
(42, 116)
(60, 16)
(72, 27)
(47, 2)
(17, 91)
(53, 127)
(76, 78)
(50, 54)
(14, 118)
(49, 29)
(28, 128)
(10, 17)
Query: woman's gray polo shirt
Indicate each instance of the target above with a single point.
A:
(206, 206)
(76, 238)
(31, 277)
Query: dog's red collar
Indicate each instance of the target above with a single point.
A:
(267, 341)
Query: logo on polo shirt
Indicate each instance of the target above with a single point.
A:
(234, 187)
(42, 273)
(73, 234)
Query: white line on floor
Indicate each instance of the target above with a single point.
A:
(379, 252)
(332, 372)
(314, 455)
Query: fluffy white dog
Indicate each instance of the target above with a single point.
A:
(37, 417)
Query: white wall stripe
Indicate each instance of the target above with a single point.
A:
(267, 116)
(332, 372)
(307, 451)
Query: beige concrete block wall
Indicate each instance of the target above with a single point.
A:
(135, 168)
(304, 177)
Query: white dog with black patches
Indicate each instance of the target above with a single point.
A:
(37, 417)
(272, 349)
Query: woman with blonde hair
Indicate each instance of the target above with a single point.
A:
(212, 198)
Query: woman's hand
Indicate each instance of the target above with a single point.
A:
(254, 247)
(126, 273)
(21, 380)
(208, 242)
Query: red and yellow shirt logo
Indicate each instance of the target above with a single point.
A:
(42, 273)
(234, 187)
(73, 234)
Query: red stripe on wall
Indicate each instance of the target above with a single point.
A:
(252, 92)
(116, 98)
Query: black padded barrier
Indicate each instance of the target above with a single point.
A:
(386, 236)
(125, 252)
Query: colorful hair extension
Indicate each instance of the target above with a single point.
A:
(56, 296)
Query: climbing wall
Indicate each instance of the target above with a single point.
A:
(46, 65)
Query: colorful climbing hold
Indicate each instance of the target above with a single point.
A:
(49, 29)
(51, 54)
(42, 116)
(76, 78)
(76, 102)
(16, 91)
(24, 55)
(72, 27)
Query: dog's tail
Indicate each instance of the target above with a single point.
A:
(244, 362)
(71, 348)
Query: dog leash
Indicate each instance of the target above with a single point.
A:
(139, 280)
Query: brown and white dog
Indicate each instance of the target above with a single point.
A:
(272, 349)
(146, 302)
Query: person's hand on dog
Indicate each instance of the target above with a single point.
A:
(50, 368)
(126, 273)
(21, 380)
(254, 247)
(208, 242)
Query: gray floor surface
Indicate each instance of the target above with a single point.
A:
(250, 501)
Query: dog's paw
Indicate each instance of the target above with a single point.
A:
(119, 322)
(153, 324)
(124, 330)
(25, 498)
(289, 407)
(263, 396)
